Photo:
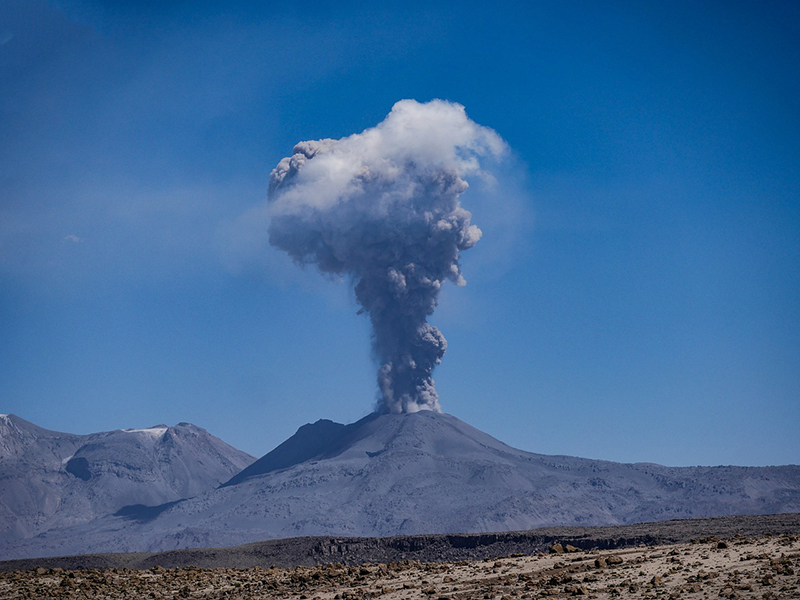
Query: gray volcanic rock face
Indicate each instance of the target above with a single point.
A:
(422, 473)
(57, 480)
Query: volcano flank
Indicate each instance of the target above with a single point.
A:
(423, 472)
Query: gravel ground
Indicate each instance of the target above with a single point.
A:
(310, 551)
(762, 565)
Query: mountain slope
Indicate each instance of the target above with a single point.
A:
(51, 479)
(425, 473)
(310, 441)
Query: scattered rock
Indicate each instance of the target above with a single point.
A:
(649, 573)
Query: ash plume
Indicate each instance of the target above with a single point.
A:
(382, 208)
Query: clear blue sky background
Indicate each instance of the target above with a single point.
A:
(639, 299)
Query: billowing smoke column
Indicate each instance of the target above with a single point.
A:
(383, 207)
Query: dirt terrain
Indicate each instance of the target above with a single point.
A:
(309, 551)
(742, 564)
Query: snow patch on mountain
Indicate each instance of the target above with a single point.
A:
(156, 432)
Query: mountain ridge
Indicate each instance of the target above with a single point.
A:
(309, 441)
(423, 473)
(51, 479)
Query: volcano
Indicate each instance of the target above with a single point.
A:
(424, 472)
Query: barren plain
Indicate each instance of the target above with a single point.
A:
(764, 565)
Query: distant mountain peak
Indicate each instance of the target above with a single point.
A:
(50, 479)
(424, 472)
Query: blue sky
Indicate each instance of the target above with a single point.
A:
(636, 299)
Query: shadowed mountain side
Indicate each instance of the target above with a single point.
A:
(317, 440)
(428, 473)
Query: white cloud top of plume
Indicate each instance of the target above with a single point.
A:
(434, 135)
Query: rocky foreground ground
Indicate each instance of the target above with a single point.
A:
(765, 566)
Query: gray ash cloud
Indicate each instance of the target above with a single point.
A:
(382, 208)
